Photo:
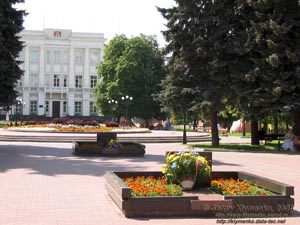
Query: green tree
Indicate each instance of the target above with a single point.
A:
(132, 67)
(11, 23)
(199, 36)
(269, 81)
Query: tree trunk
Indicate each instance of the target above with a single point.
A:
(147, 122)
(195, 123)
(184, 138)
(296, 125)
(254, 132)
(265, 126)
(244, 127)
(275, 124)
(214, 126)
(296, 122)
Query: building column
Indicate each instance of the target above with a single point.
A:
(42, 66)
(26, 99)
(26, 66)
(41, 103)
(71, 82)
(86, 77)
(86, 104)
(71, 104)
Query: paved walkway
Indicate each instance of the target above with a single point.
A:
(45, 184)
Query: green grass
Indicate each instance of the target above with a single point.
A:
(239, 147)
(3, 124)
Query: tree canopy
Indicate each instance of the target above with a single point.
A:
(198, 35)
(242, 53)
(132, 67)
(11, 23)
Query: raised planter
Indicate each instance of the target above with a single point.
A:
(93, 148)
(202, 202)
(131, 149)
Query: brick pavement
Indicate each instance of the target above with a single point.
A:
(45, 184)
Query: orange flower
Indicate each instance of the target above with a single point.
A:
(237, 187)
(150, 186)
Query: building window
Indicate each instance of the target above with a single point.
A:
(93, 109)
(93, 81)
(64, 106)
(56, 81)
(48, 57)
(78, 108)
(34, 56)
(94, 57)
(65, 57)
(56, 57)
(47, 106)
(19, 109)
(78, 81)
(65, 80)
(79, 57)
(33, 107)
(33, 80)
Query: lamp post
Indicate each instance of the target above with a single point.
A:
(126, 100)
(112, 102)
(19, 103)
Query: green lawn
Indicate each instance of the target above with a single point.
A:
(3, 124)
(271, 146)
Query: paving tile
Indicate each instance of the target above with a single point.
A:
(45, 184)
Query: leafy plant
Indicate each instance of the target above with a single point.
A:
(182, 165)
(114, 144)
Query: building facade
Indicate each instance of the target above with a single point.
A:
(60, 72)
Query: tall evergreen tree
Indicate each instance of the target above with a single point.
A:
(199, 34)
(11, 21)
(271, 82)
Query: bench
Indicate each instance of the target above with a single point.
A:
(270, 137)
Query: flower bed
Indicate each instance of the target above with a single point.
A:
(75, 125)
(202, 201)
(74, 128)
(237, 187)
(151, 186)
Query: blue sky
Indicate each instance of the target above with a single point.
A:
(111, 17)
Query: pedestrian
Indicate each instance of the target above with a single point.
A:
(288, 143)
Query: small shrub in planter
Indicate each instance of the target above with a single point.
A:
(183, 165)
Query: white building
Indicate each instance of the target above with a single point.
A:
(60, 73)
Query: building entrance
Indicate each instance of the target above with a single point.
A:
(55, 109)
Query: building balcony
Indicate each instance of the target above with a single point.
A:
(56, 89)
